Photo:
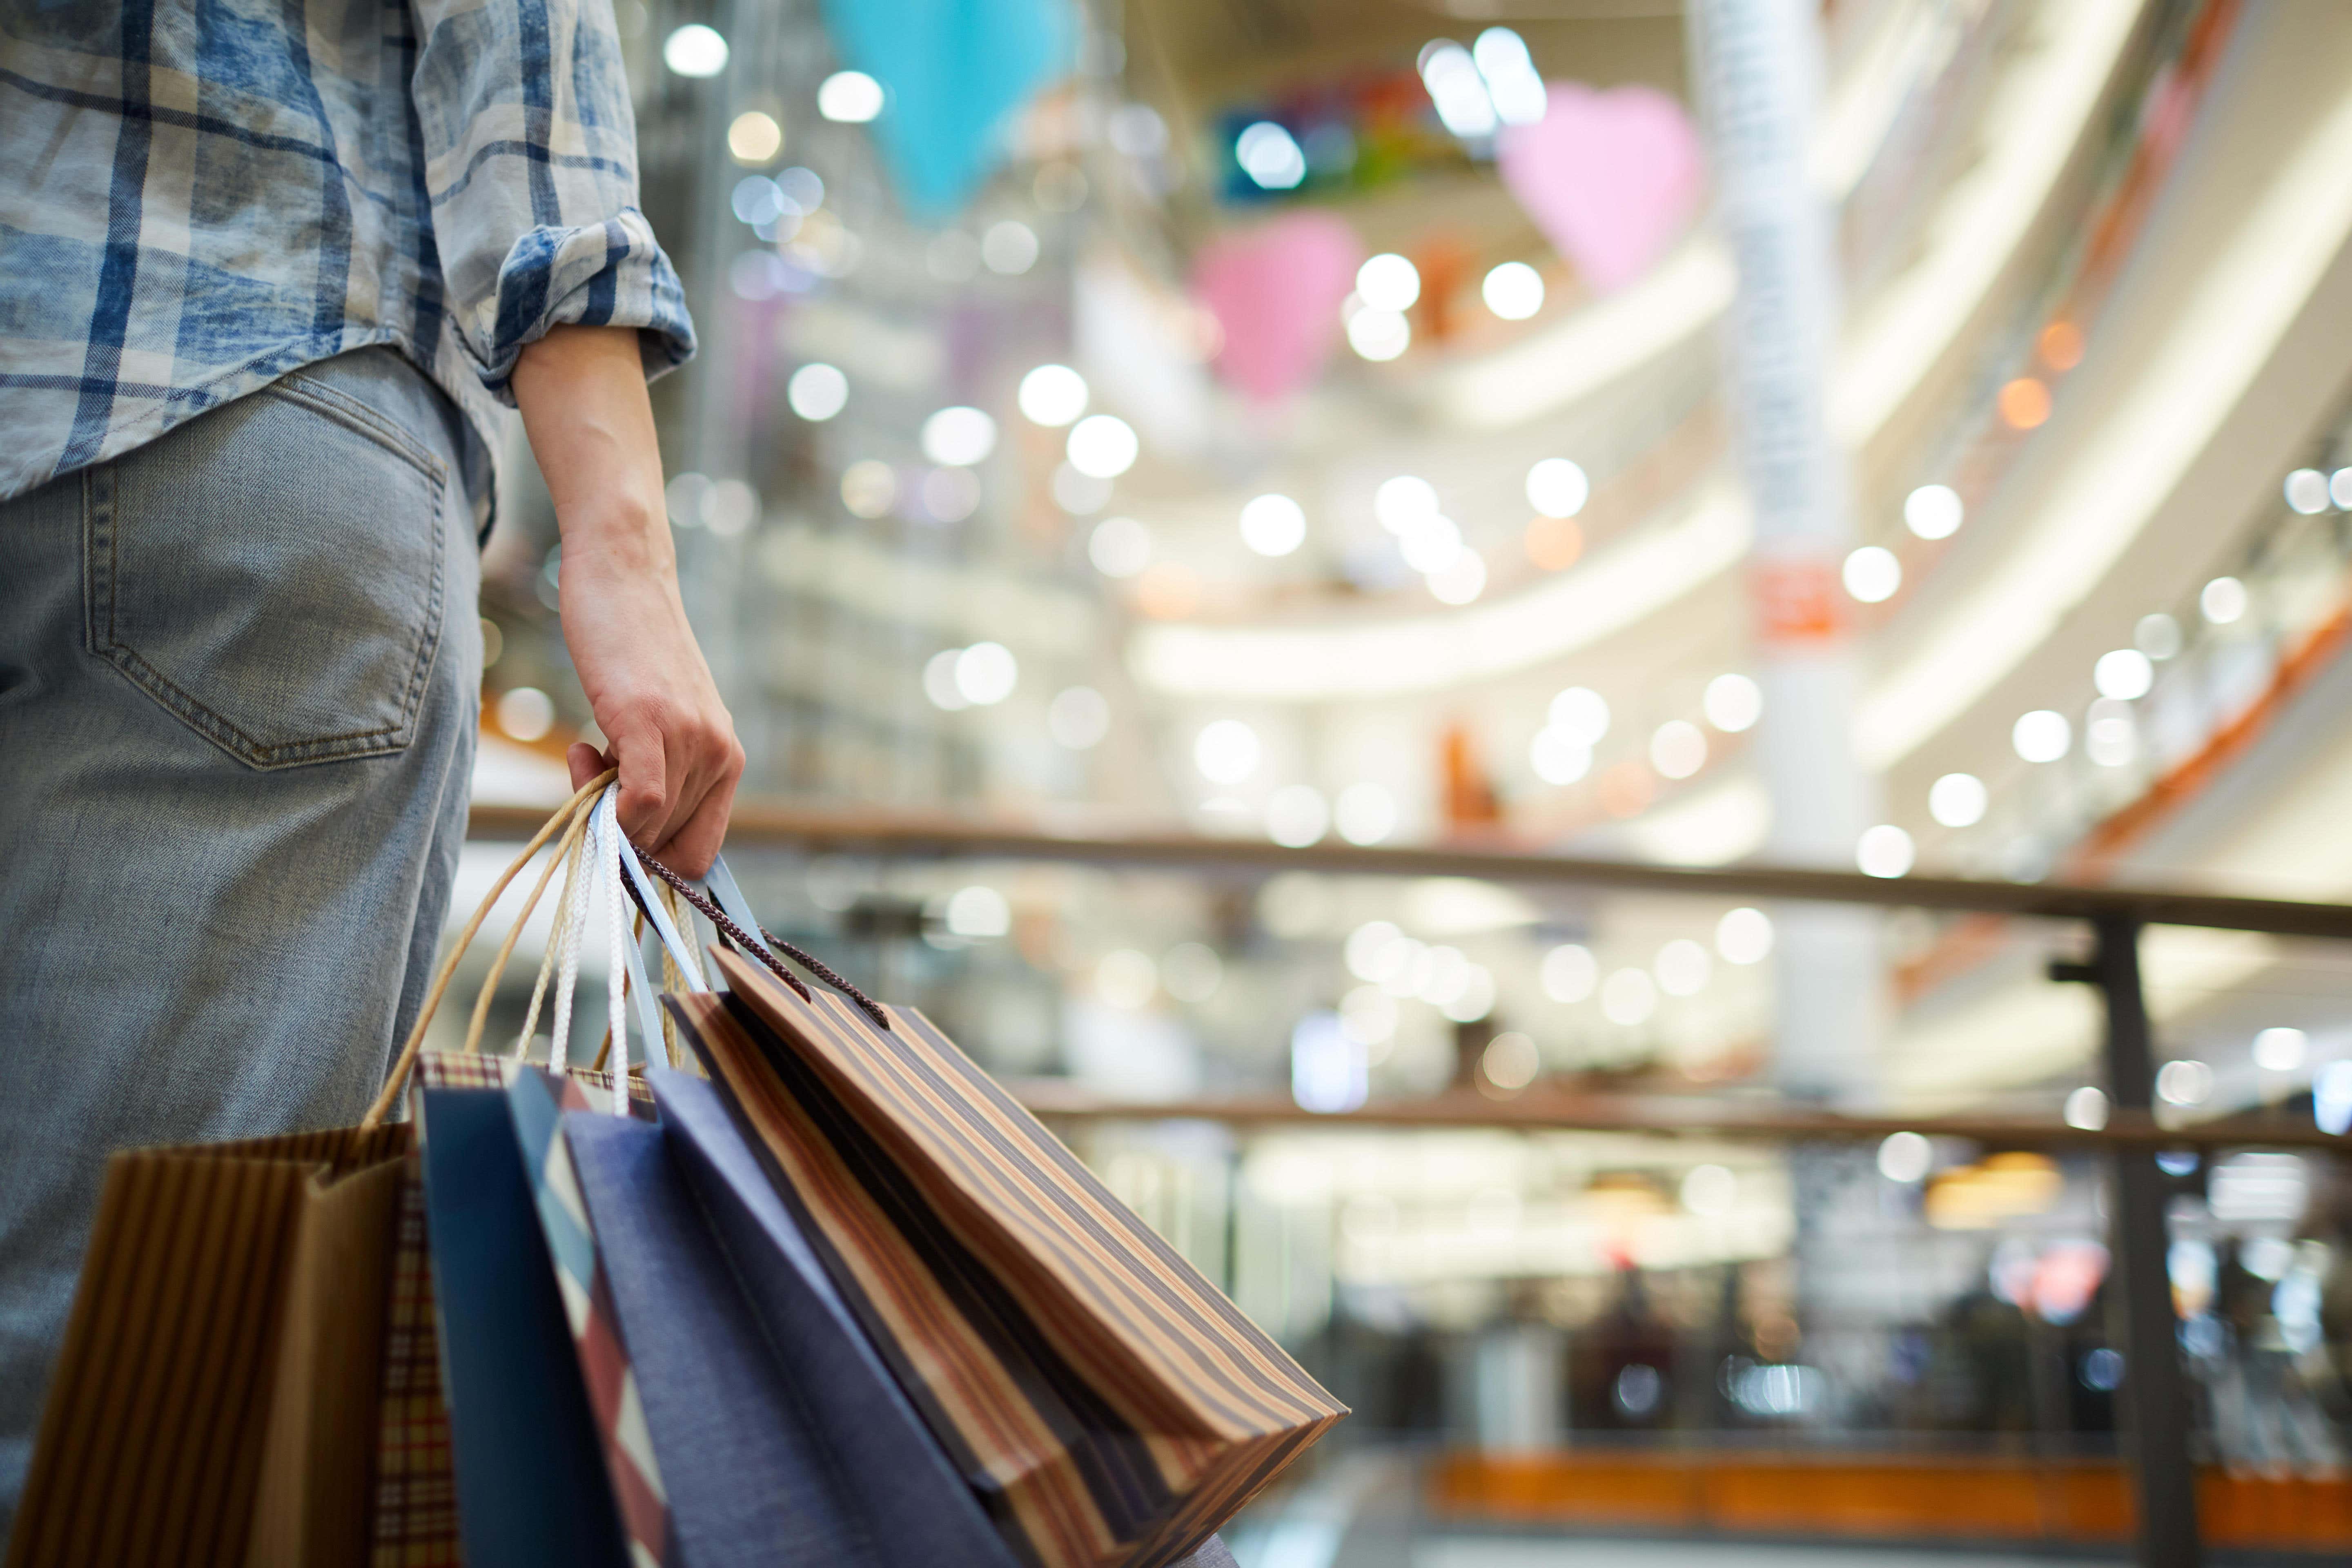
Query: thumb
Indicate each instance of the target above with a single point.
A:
(585, 761)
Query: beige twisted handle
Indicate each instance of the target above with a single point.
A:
(569, 817)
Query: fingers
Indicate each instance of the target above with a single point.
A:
(677, 785)
(646, 788)
(691, 849)
(585, 761)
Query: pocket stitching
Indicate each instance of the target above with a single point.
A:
(100, 532)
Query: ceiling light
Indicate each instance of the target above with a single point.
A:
(2223, 600)
(2307, 492)
(2110, 740)
(1052, 396)
(1678, 749)
(1457, 89)
(1269, 155)
(1431, 545)
(1403, 501)
(2125, 674)
(1733, 703)
(817, 392)
(849, 97)
(1009, 248)
(695, 50)
(1884, 851)
(1296, 816)
(1512, 83)
(978, 911)
(1388, 282)
(1629, 996)
(1103, 445)
(1226, 752)
(1933, 511)
(1378, 335)
(2086, 1108)
(754, 138)
(526, 712)
(2042, 736)
(1119, 547)
(2158, 635)
(1681, 968)
(1709, 1191)
(1744, 936)
(1461, 580)
(1569, 973)
(1873, 574)
(1510, 1060)
(939, 681)
(1557, 488)
(985, 673)
(1513, 290)
(1957, 800)
(1077, 718)
(1580, 712)
(2281, 1050)
(2184, 1082)
(1905, 1157)
(1365, 814)
(1273, 525)
(1558, 756)
(958, 438)
(868, 487)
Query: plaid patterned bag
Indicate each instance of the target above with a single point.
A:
(413, 1511)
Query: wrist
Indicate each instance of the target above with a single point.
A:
(620, 538)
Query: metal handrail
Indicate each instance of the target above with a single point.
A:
(915, 835)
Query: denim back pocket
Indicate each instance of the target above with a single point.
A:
(272, 573)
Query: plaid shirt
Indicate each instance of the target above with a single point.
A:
(199, 195)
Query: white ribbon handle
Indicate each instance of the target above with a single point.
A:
(607, 857)
(721, 886)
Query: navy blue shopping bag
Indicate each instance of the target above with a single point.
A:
(781, 1437)
(532, 1491)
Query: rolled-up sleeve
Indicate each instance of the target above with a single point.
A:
(531, 168)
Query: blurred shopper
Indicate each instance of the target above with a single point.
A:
(267, 275)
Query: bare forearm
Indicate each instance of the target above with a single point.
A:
(582, 394)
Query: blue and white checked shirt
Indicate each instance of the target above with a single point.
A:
(199, 195)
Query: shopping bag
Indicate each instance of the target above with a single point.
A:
(1105, 1402)
(510, 1377)
(224, 1327)
(533, 1490)
(782, 1436)
(249, 1373)
(413, 1498)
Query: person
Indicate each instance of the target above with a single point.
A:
(268, 274)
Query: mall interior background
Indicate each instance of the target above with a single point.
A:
(1428, 423)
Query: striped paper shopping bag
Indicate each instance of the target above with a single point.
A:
(1108, 1406)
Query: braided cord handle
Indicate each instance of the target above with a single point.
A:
(757, 947)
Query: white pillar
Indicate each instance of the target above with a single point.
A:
(1756, 66)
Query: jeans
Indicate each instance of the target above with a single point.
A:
(239, 684)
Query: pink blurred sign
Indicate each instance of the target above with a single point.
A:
(1612, 178)
(1276, 290)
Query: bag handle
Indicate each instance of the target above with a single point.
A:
(758, 946)
(566, 817)
(577, 820)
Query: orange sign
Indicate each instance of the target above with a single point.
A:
(1798, 602)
